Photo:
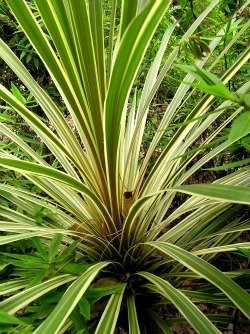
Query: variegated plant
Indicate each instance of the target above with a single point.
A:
(133, 236)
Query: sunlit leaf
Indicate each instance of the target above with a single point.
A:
(240, 127)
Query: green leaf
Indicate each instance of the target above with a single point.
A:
(96, 293)
(13, 285)
(193, 315)
(85, 308)
(245, 252)
(78, 320)
(73, 268)
(38, 278)
(16, 92)
(3, 267)
(54, 246)
(240, 127)
(6, 118)
(161, 323)
(246, 100)
(24, 258)
(6, 318)
(202, 75)
(220, 91)
(109, 317)
(129, 57)
(220, 192)
(231, 165)
(69, 300)
(128, 14)
(33, 168)
(39, 246)
(245, 142)
(134, 327)
(205, 270)
(23, 298)
(6, 239)
(68, 251)
(209, 83)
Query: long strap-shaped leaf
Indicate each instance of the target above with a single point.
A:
(180, 93)
(66, 165)
(15, 216)
(134, 327)
(135, 134)
(69, 300)
(130, 227)
(129, 9)
(161, 323)
(156, 176)
(59, 20)
(81, 159)
(39, 126)
(32, 168)
(23, 298)
(13, 285)
(130, 55)
(96, 12)
(40, 42)
(67, 82)
(48, 106)
(234, 292)
(6, 239)
(194, 316)
(109, 317)
(233, 194)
